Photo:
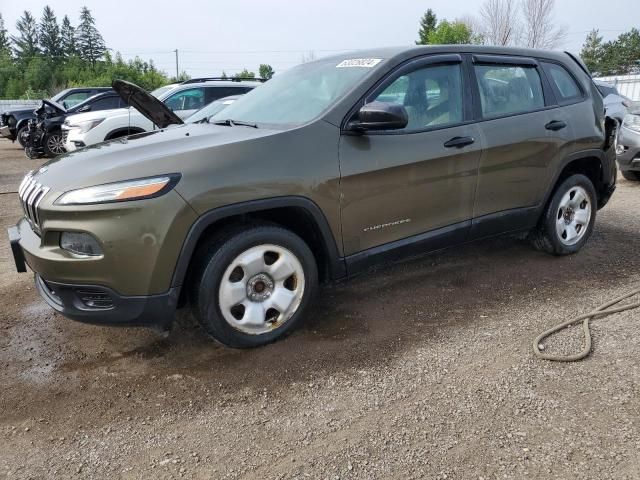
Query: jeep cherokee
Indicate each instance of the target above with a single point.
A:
(327, 169)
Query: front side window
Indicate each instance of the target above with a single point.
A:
(565, 85)
(508, 89)
(432, 96)
(191, 99)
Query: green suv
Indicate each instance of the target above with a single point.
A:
(325, 170)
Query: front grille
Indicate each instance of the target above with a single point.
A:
(31, 194)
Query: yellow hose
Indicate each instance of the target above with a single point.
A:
(601, 311)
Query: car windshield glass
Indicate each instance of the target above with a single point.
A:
(300, 94)
(210, 110)
(159, 92)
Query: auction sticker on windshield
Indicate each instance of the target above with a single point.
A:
(359, 62)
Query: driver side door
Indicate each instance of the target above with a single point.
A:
(411, 190)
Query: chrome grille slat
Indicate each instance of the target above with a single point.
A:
(31, 194)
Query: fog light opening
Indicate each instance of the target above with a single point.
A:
(80, 243)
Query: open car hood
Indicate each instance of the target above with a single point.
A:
(146, 104)
(57, 108)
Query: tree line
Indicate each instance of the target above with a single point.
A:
(530, 23)
(46, 56)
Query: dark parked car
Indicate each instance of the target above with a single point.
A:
(13, 121)
(49, 140)
(327, 169)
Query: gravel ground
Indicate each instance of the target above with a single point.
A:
(423, 370)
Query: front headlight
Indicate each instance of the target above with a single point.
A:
(120, 191)
(632, 122)
(86, 125)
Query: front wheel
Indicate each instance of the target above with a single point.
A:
(568, 221)
(22, 136)
(253, 285)
(53, 144)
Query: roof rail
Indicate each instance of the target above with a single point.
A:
(219, 79)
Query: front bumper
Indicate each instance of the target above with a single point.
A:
(102, 306)
(629, 143)
(73, 138)
(97, 304)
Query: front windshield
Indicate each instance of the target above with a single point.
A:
(299, 95)
(158, 92)
(210, 110)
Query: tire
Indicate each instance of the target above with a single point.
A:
(53, 144)
(566, 225)
(631, 176)
(253, 285)
(19, 136)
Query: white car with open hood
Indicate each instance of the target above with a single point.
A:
(183, 99)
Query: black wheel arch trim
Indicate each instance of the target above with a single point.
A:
(128, 130)
(608, 162)
(336, 263)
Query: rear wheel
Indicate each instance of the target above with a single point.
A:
(568, 221)
(53, 144)
(253, 285)
(631, 176)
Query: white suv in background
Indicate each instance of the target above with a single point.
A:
(183, 98)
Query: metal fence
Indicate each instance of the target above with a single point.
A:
(627, 85)
(15, 104)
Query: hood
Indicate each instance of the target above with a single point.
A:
(20, 112)
(145, 154)
(57, 108)
(146, 104)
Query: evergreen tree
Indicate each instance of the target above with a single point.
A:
(5, 45)
(25, 45)
(593, 51)
(245, 74)
(50, 34)
(266, 71)
(428, 24)
(67, 38)
(89, 42)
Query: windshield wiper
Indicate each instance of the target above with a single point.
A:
(234, 123)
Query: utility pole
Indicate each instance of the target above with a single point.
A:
(177, 69)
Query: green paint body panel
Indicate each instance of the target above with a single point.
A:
(373, 189)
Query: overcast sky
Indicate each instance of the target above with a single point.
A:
(232, 34)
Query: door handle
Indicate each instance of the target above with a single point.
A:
(555, 125)
(459, 142)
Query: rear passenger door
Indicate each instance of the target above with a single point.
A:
(521, 139)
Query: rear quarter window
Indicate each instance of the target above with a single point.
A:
(565, 86)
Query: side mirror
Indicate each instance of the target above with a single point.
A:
(65, 104)
(380, 116)
(86, 108)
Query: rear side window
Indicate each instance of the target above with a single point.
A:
(509, 89)
(215, 93)
(565, 85)
(106, 103)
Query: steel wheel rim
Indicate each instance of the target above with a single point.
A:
(261, 289)
(573, 216)
(55, 145)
